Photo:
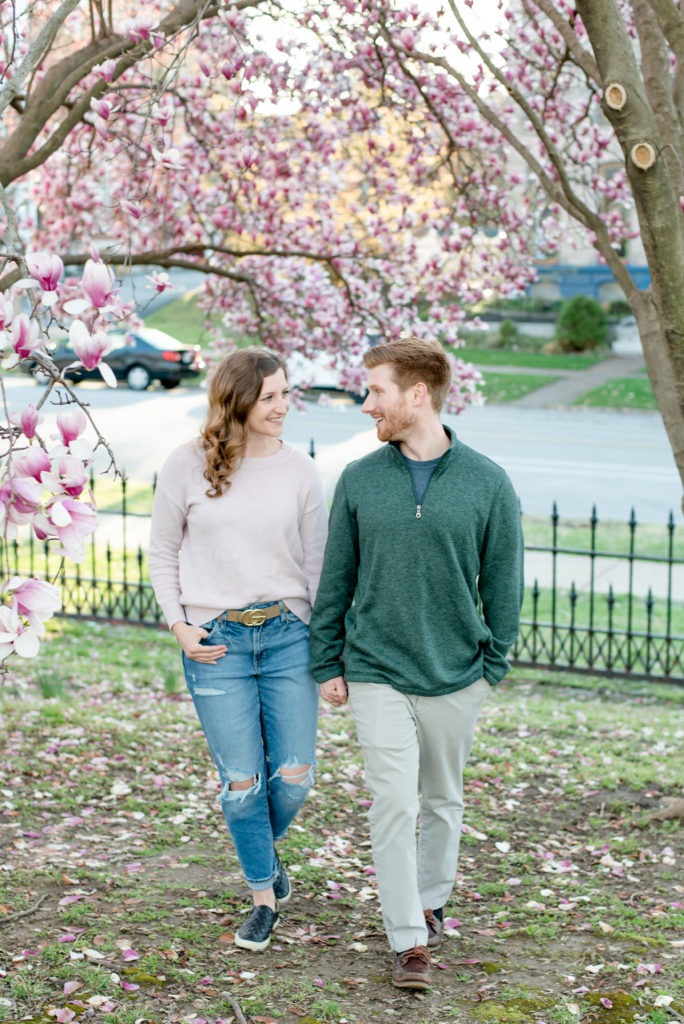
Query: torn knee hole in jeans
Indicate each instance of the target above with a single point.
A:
(240, 786)
(295, 774)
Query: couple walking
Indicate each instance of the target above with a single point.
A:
(417, 597)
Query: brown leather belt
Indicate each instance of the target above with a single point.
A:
(254, 616)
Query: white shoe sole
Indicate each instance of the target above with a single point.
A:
(251, 943)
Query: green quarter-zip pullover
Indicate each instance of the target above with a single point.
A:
(423, 597)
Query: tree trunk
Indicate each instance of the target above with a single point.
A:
(656, 187)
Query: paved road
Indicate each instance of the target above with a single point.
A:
(576, 457)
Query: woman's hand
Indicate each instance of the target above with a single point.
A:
(190, 637)
(334, 691)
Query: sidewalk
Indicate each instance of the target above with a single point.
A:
(575, 383)
(625, 360)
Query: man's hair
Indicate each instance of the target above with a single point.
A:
(415, 361)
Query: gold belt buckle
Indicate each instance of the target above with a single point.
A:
(253, 617)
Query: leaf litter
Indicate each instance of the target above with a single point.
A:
(120, 894)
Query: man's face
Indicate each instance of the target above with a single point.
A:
(390, 407)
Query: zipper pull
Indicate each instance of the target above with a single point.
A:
(419, 511)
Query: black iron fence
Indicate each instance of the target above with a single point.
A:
(601, 599)
(600, 596)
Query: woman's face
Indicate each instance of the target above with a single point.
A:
(266, 418)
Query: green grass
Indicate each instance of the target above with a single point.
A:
(183, 319)
(507, 387)
(563, 867)
(610, 536)
(622, 393)
(530, 360)
(109, 495)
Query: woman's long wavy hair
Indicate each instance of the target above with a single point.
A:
(234, 388)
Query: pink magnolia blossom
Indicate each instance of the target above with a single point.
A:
(32, 463)
(71, 425)
(15, 636)
(6, 313)
(29, 420)
(67, 476)
(34, 599)
(25, 336)
(46, 268)
(98, 283)
(90, 348)
(61, 1014)
(72, 522)
(138, 29)
(170, 159)
(22, 621)
(26, 496)
(159, 281)
(102, 107)
(18, 509)
(106, 70)
(132, 209)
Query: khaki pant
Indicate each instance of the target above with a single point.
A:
(415, 750)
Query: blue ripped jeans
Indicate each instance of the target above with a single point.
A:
(258, 708)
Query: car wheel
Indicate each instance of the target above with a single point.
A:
(168, 385)
(138, 378)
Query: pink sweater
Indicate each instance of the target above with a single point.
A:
(261, 540)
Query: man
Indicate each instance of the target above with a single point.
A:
(418, 604)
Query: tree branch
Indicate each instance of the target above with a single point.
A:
(561, 191)
(21, 913)
(581, 57)
(53, 90)
(35, 53)
(655, 57)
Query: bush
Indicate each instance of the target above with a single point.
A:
(522, 304)
(619, 307)
(509, 334)
(582, 324)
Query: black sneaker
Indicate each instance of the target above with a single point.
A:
(281, 885)
(255, 933)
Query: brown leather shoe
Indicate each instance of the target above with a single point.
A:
(411, 968)
(435, 930)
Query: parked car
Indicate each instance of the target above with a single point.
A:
(321, 374)
(137, 357)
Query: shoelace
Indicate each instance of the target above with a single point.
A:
(417, 953)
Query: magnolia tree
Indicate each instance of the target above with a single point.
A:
(44, 483)
(337, 168)
(227, 138)
(579, 106)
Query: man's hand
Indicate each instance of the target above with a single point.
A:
(334, 691)
(189, 638)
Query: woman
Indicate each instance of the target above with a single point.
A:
(238, 530)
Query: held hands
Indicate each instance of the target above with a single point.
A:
(189, 638)
(334, 691)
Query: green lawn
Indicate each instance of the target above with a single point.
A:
(529, 360)
(507, 387)
(622, 393)
(120, 892)
(183, 319)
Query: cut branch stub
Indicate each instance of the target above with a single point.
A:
(643, 155)
(615, 96)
